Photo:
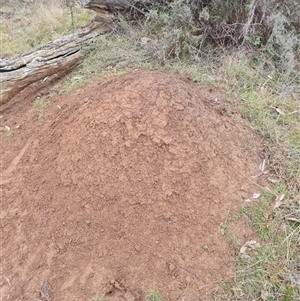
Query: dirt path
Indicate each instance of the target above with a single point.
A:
(119, 188)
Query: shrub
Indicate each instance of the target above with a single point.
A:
(192, 27)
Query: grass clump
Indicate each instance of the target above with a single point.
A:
(113, 55)
(270, 101)
(154, 296)
(40, 105)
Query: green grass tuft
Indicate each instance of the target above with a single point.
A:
(154, 296)
(40, 105)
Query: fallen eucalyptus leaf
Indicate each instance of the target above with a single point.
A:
(243, 250)
(279, 111)
(279, 200)
(252, 244)
(293, 219)
(255, 195)
(262, 165)
(246, 256)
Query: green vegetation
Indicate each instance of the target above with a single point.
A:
(99, 298)
(10, 134)
(270, 271)
(250, 49)
(154, 296)
(99, 58)
(40, 105)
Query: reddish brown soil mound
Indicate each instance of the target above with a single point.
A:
(121, 189)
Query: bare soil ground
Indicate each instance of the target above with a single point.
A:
(121, 187)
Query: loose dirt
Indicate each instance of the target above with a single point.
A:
(121, 187)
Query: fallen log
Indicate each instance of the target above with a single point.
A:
(105, 8)
(57, 56)
(104, 4)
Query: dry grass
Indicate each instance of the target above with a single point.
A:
(29, 24)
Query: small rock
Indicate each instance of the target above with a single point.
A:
(60, 246)
(244, 195)
(172, 267)
(137, 248)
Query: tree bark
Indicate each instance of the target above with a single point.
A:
(104, 4)
(117, 4)
(104, 8)
(54, 57)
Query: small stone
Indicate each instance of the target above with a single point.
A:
(88, 222)
(244, 195)
(172, 267)
(137, 248)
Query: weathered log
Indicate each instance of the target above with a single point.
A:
(54, 57)
(104, 4)
(104, 8)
